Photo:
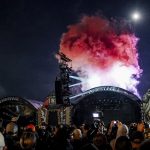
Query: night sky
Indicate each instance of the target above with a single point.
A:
(30, 33)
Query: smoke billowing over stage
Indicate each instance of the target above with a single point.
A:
(103, 53)
(105, 59)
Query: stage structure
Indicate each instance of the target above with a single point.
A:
(59, 111)
(52, 113)
(24, 109)
(59, 115)
(106, 103)
(62, 91)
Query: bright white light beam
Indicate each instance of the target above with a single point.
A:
(76, 78)
(75, 84)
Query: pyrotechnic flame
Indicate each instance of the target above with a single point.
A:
(103, 53)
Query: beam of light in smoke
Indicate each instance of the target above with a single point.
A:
(75, 77)
(103, 53)
(72, 85)
(78, 95)
(75, 96)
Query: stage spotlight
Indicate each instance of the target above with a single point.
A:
(95, 115)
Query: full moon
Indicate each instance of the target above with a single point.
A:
(135, 16)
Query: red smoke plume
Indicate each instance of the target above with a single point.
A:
(98, 44)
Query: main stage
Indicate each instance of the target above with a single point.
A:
(109, 103)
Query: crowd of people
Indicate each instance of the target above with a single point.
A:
(96, 136)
